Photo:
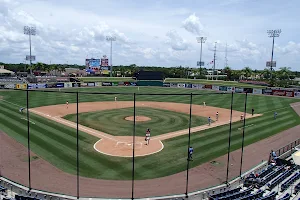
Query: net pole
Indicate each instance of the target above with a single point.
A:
(77, 143)
(243, 138)
(28, 140)
(189, 143)
(133, 143)
(229, 139)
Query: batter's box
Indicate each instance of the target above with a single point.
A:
(129, 145)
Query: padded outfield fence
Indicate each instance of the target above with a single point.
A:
(49, 149)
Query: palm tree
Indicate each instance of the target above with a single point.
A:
(266, 73)
(284, 73)
(227, 70)
(247, 72)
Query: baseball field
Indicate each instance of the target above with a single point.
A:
(106, 128)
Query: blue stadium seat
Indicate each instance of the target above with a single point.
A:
(286, 197)
(289, 182)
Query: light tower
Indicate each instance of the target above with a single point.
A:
(30, 31)
(201, 40)
(111, 39)
(273, 34)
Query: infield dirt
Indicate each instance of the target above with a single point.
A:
(122, 145)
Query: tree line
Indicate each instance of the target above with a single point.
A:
(279, 77)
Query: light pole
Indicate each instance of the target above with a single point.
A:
(30, 31)
(273, 34)
(201, 40)
(111, 39)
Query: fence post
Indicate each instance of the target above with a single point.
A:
(243, 138)
(28, 140)
(133, 149)
(77, 143)
(229, 139)
(189, 143)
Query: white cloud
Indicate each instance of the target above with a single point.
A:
(176, 42)
(192, 24)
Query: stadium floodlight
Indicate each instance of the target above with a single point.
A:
(201, 40)
(30, 31)
(273, 33)
(111, 39)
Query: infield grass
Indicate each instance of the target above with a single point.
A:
(113, 121)
(57, 143)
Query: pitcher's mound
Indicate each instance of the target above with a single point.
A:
(138, 118)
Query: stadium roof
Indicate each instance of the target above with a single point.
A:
(5, 71)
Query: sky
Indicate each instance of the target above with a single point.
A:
(152, 32)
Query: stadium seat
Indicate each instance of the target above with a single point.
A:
(286, 197)
(289, 182)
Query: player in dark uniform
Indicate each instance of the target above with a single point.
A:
(191, 150)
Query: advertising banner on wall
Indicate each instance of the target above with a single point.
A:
(121, 83)
(21, 86)
(239, 90)
(181, 85)
(91, 84)
(2, 86)
(106, 84)
(76, 84)
(166, 85)
(207, 87)
(215, 87)
(297, 94)
(68, 85)
(127, 83)
(36, 85)
(59, 85)
(9, 86)
(133, 83)
(83, 85)
(289, 93)
(187, 85)
(173, 84)
(267, 91)
(248, 90)
(97, 84)
(257, 91)
(195, 86)
(223, 88)
(230, 89)
(115, 83)
(279, 92)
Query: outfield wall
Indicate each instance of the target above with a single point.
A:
(258, 91)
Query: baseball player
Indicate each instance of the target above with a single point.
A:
(147, 138)
(116, 98)
(209, 121)
(21, 110)
(191, 150)
(204, 104)
(275, 115)
(242, 117)
(252, 111)
(67, 103)
(217, 116)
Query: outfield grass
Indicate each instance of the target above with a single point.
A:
(57, 143)
(113, 121)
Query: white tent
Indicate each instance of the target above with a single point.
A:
(296, 157)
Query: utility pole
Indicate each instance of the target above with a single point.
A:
(273, 34)
(214, 67)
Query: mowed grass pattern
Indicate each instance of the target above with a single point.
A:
(113, 121)
(57, 143)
